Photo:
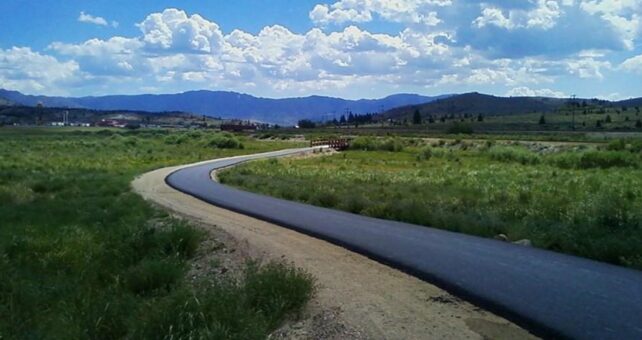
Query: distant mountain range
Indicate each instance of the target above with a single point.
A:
(633, 102)
(5, 102)
(230, 105)
(487, 105)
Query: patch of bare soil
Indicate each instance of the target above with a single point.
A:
(357, 298)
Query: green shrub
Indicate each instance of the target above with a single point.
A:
(265, 135)
(391, 144)
(597, 159)
(616, 145)
(460, 128)
(180, 240)
(325, 199)
(636, 146)
(224, 141)
(424, 154)
(218, 313)
(440, 152)
(353, 203)
(175, 139)
(273, 161)
(622, 145)
(276, 289)
(363, 143)
(594, 159)
(195, 134)
(373, 144)
(150, 275)
(176, 240)
(130, 141)
(514, 155)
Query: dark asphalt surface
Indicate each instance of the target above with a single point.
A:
(551, 294)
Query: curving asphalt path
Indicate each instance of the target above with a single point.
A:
(553, 295)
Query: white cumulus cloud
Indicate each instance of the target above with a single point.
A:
(524, 91)
(588, 67)
(174, 30)
(355, 11)
(543, 16)
(88, 18)
(25, 70)
(633, 64)
(114, 56)
(179, 50)
(622, 15)
(96, 20)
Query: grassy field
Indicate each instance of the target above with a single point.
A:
(81, 256)
(584, 200)
(584, 119)
(423, 132)
(592, 123)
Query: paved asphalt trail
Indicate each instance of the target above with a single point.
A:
(552, 294)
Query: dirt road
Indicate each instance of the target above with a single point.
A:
(373, 300)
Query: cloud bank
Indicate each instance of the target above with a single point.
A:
(514, 48)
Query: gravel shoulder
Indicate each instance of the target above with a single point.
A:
(357, 298)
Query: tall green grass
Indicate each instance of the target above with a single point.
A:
(585, 202)
(228, 309)
(81, 256)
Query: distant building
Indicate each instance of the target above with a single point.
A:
(112, 123)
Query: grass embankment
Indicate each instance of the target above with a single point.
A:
(81, 256)
(579, 200)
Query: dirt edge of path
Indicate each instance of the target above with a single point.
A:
(357, 298)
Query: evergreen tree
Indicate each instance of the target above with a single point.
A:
(608, 118)
(416, 118)
(542, 120)
(306, 124)
(480, 118)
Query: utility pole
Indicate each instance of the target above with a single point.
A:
(39, 109)
(573, 113)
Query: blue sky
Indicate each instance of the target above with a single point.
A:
(346, 48)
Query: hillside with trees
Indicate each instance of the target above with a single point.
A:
(476, 104)
(42, 115)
